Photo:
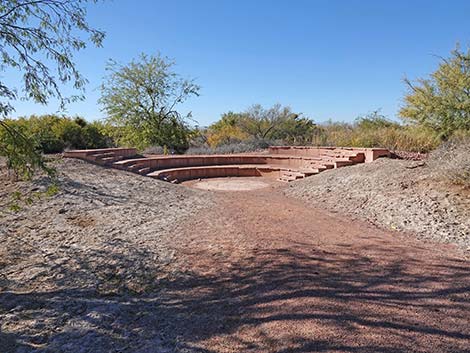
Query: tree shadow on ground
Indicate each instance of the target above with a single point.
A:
(299, 299)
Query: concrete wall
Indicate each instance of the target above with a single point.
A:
(371, 154)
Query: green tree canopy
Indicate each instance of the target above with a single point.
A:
(442, 101)
(263, 123)
(142, 98)
(274, 123)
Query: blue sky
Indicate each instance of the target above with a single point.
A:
(328, 59)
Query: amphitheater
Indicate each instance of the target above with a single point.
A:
(284, 163)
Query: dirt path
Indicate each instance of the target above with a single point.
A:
(266, 273)
(115, 262)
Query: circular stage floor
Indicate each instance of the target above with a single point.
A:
(231, 184)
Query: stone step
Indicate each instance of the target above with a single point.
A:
(144, 171)
(134, 167)
(334, 159)
(291, 175)
(110, 160)
(286, 179)
(323, 165)
(125, 163)
(99, 156)
(339, 164)
(294, 174)
(339, 154)
(310, 171)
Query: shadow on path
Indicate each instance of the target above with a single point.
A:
(279, 300)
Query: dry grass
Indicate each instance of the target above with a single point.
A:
(394, 137)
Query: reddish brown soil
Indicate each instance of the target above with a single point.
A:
(266, 273)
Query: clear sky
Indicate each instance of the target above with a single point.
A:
(327, 59)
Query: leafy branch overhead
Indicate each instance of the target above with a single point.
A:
(38, 39)
(442, 101)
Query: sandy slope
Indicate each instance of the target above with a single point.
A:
(104, 234)
(395, 194)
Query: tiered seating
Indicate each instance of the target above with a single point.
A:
(284, 163)
(105, 156)
(370, 154)
(214, 171)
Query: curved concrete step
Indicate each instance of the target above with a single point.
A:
(291, 163)
(188, 173)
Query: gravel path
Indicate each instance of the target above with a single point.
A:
(395, 194)
(266, 273)
(115, 262)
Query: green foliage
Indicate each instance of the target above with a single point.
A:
(52, 133)
(227, 130)
(38, 38)
(23, 155)
(33, 30)
(19, 200)
(14, 207)
(374, 130)
(52, 190)
(258, 123)
(442, 102)
(295, 130)
(141, 100)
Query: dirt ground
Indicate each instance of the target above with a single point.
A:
(218, 271)
(233, 184)
(267, 273)
(394, 194)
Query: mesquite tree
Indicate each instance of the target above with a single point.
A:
(442, 101)
(141, 100)
(38, 38)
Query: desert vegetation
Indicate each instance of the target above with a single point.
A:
(369, 258)
(38, 40)
(141, 100)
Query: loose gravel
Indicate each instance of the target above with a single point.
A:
(110, 261)
(397, 194)
(77, 262)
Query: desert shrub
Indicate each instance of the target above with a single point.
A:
(201, 150)
(374, 130)
(258, 124)
(451, 161)
(23, 154)
(251, 145)
(52, 133)
(441, 101)
(333, 134)
(72, 134)
(226, 135)
(95, 137)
